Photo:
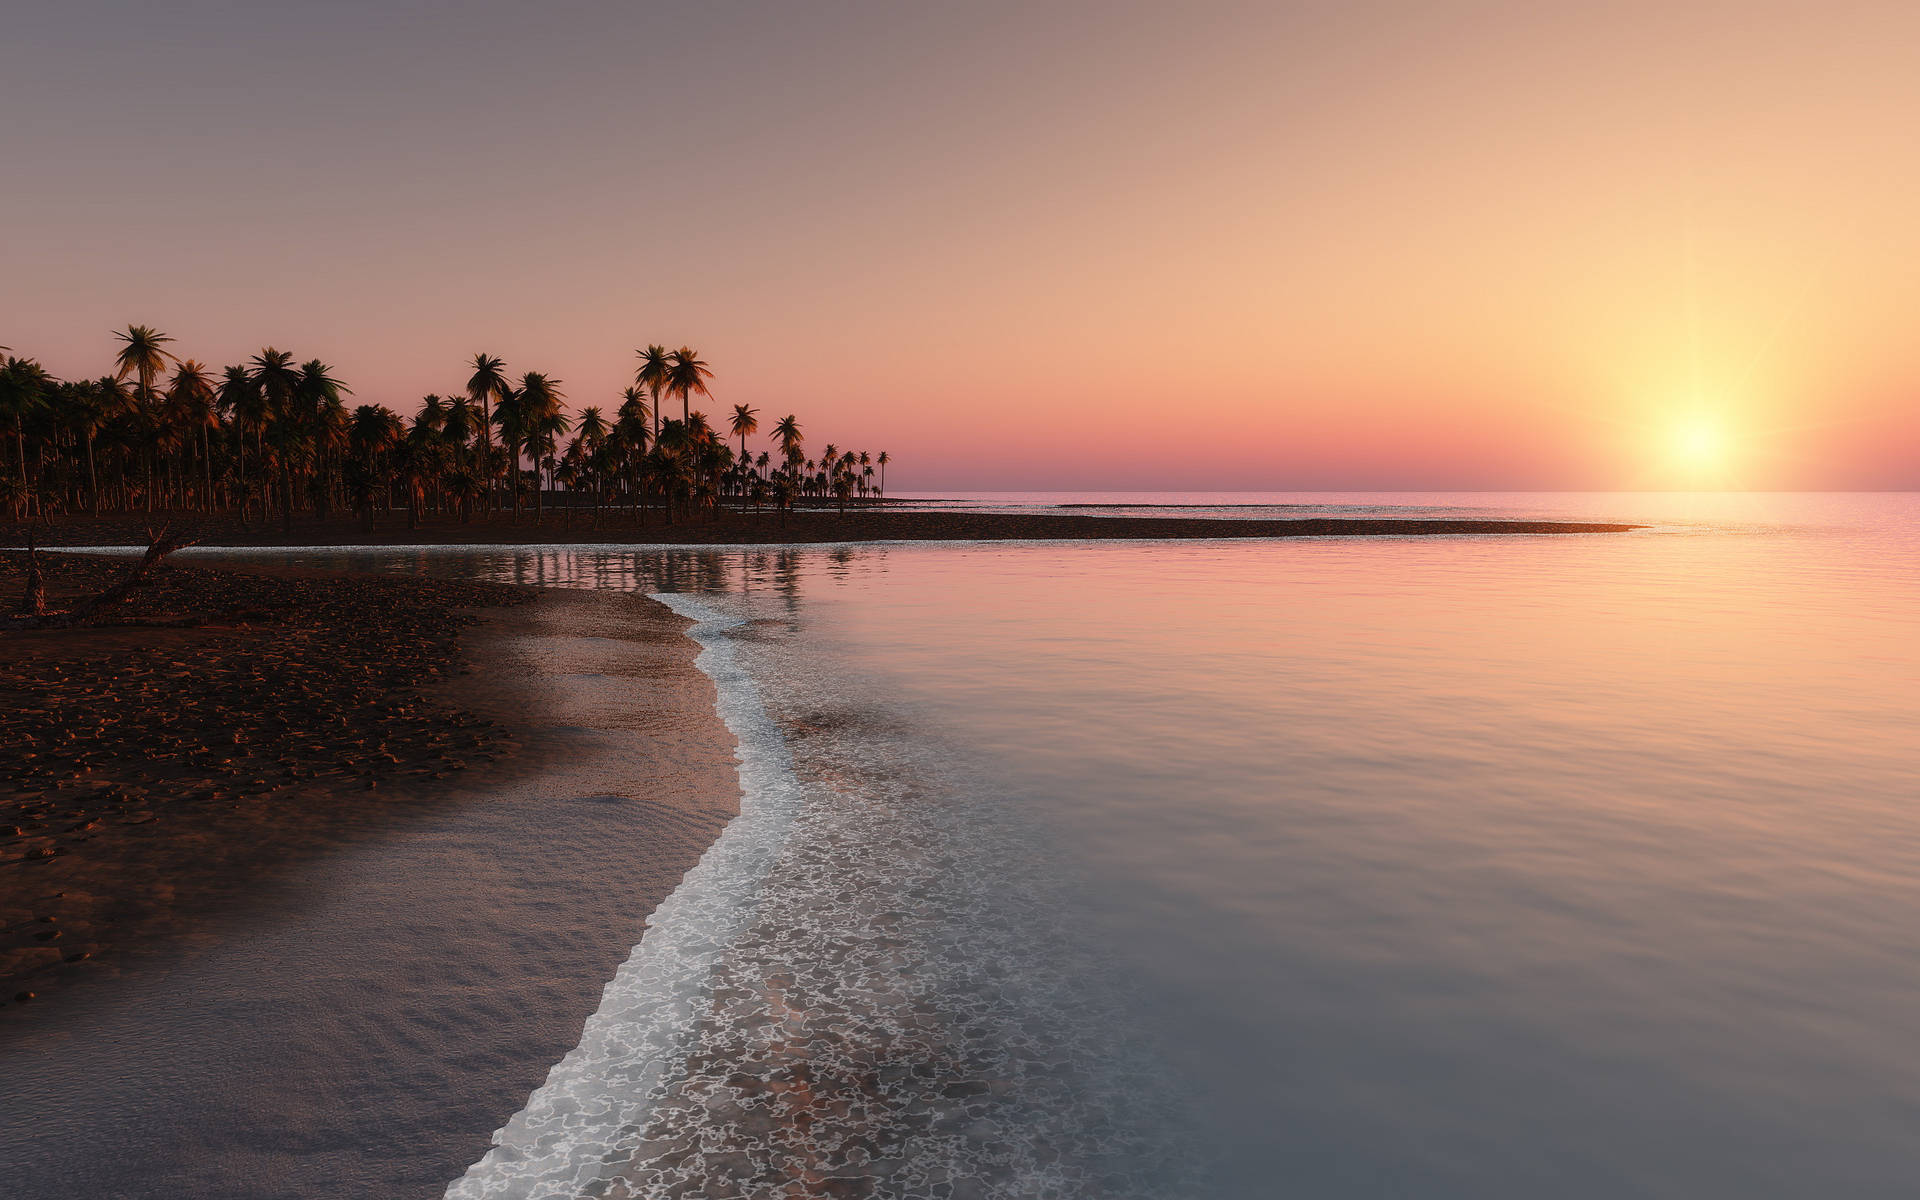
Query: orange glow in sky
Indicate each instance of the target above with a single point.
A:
(1409, 245)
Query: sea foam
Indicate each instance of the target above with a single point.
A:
(581, 1124)
(863, 988)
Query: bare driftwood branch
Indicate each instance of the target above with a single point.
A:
(33, 601)
(162, 544)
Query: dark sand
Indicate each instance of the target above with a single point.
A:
(735, 528)
(326, 990)
(164, 760)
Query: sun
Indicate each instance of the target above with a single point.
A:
(1699, 445)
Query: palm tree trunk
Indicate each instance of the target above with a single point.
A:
(486, 450)
(20, 452)
(93, 479)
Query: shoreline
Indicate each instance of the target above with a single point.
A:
(362, 1012)
(732, 528)
(643, 1029)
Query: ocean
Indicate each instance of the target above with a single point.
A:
(1581, 866)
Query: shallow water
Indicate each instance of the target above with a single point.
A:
(1345, 867)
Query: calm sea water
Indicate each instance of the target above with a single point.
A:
(1460, 867)
(1720, 510)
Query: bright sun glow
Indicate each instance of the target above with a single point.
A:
(1699, 446)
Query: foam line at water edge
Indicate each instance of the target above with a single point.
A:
(580, 1125)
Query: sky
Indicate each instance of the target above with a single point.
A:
(1115, 245)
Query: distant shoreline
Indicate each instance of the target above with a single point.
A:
(861, 524)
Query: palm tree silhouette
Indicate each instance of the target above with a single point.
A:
(745, 423)
(372, 435)
(686, 374)
(191, 394)
(510, 415)
(787, 431)
(244, 403)
(324, 418)
(542, 422)
(587, 454)
(95, 406)
(274, 374)
(655, 373)
(23, 387)
(487, 384)
(143, 356)
(278, 433)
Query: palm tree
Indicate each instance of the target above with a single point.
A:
(883, 460)
(510, 415)
(630, 432)
(487, 384)
(245, 405)
(656, 371)
(544, 434)
(274, 375)
(458, 427)
(589, 443)
(535, 420)
(633, 405)
(745, 422)
(432, 416)
(143, 356)
(686, 374)
(22, 391)
(326, 419)
(787, 432)
(414, 462)
(94, 406)
(372, 435)
(668, 464)
(592, 427)
(191, 393)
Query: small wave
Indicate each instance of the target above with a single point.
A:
(579, 1126)
(866, 990)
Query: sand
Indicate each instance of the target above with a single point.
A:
(731, 527)
(215, 724)
(350, 1003)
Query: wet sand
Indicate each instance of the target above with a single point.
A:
(331, 990)
(878, 523)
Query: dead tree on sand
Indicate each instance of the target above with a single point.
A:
(33, 605)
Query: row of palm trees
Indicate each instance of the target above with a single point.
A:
(273, 436)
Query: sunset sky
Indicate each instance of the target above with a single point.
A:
(1127, 245)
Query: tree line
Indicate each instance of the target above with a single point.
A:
(273, 437)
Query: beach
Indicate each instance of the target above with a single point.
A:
(1117, 868)
(311, 876)
(335, 866)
